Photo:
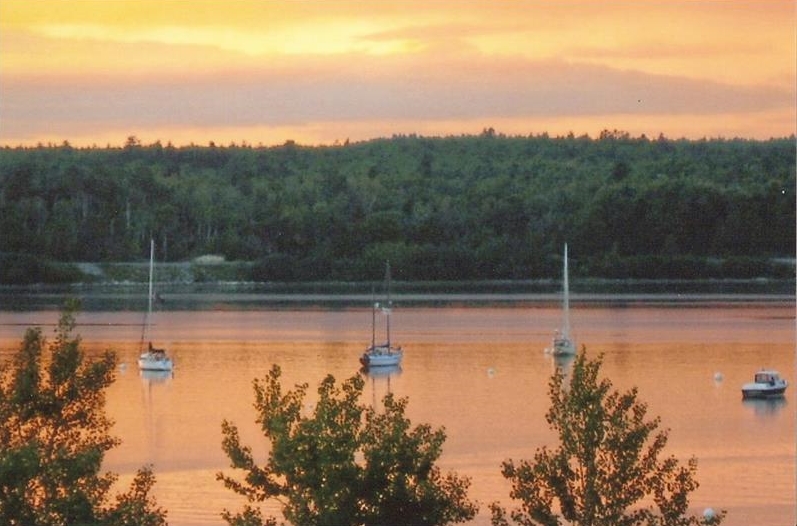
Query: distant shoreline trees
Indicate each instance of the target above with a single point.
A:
(453, 208)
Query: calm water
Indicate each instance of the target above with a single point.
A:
(480, 372)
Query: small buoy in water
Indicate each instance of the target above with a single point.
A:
(718, 377)
(123, 366)
(708, 513)
(490, 372)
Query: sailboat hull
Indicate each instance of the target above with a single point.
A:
(563, 347)
(149, 361)
(382, 356)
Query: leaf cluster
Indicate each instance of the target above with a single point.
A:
(344, 463)
(53, 436)
(609, 467)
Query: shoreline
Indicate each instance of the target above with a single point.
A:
(232, 297)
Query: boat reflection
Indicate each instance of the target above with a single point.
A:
(381, 376)
(563, 363)
(381, 372)
(156, 377)
(764, 407)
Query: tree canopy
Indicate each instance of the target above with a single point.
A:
(344, 464)
(609, 468)
(469, 207)
(53, 437)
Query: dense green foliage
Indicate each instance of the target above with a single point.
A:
(26, 269)
(344, 464)
(608, 469)
(471, 207)
(53, 437)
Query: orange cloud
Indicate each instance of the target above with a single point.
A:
(76, 68)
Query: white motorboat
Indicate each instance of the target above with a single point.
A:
(383, 354)
(152, 359)
(767, 383)
(563, 344)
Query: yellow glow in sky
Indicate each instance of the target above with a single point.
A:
(97, 71)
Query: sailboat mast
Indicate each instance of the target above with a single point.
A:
(151, 272)
(374, 306)
(389, 303)
(566, 301)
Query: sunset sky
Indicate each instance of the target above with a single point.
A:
(96, 72)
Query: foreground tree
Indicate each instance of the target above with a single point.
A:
(345, 464)
(53, 437)
(609, 469)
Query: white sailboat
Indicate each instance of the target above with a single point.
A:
(152, 359)
(563, 345)
(383, 354)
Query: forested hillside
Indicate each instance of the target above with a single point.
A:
(469, 207)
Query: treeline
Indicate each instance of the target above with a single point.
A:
(466, 207)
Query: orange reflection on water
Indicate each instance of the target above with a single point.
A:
(480, 373)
